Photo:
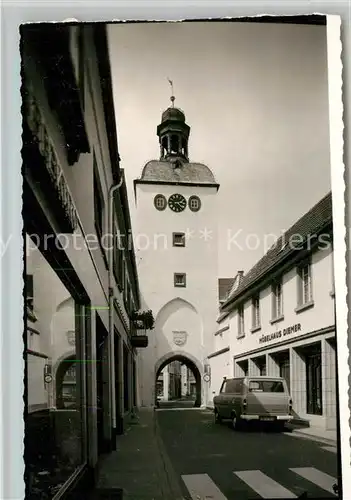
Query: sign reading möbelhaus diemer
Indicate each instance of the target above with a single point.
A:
(280, 333)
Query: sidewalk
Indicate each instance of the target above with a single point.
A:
(140, 466)
(315, 434)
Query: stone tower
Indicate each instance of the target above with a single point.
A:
(176, 242)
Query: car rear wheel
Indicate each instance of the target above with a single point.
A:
(218, 419)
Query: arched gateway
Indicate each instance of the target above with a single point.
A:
(191, 362)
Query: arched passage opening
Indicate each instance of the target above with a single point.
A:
(194, 388)
(66, 383)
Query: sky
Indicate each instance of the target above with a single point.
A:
(256, 99)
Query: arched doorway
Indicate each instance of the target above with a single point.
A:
(66, 383)
(190, 362)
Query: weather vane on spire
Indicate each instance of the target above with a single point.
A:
(172, 96)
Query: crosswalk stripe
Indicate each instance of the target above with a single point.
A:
(201, 487)
(332, 449)
(317, 477)
(264, 485)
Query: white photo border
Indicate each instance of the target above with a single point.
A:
(11, 263)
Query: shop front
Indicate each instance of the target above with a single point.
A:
(57, 341)
(308, 365)
(56, 419)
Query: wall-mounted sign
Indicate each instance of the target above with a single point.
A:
(47, 374)
(206, 377)
(179, 338)
(57, 183)
(280, 334)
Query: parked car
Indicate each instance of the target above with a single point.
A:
(261, 398)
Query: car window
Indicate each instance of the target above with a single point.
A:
(266, 386)
(234, 386)
(230, 387)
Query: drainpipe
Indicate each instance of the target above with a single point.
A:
(111, 297)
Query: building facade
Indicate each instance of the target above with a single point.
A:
(279, 319)
(81, 288)
(177, 241)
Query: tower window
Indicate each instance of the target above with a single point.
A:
(184, 148)
(179, 239)
(180, 280)
(174, 144)
(160, 202)
(164, 144)
(194, 203)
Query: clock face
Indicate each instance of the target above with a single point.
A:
(177, 202)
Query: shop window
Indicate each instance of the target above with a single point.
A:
(243, 368)
(55, 422)
(256, 319)
(284, 371)
(126, 377)
(304, 284)
(241, 323)
(314, 382)
(134, 383)
(277, 300)
(260, 363)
